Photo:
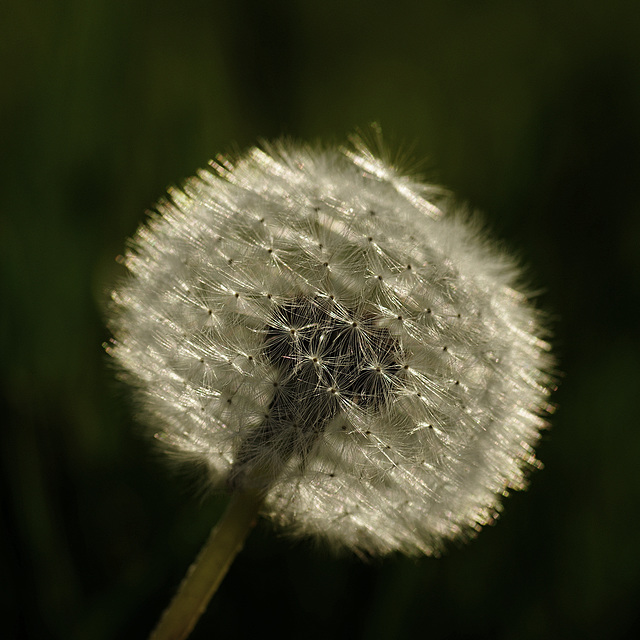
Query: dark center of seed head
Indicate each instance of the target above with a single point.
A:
(324, 359)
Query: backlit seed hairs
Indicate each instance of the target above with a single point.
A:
(314, 324)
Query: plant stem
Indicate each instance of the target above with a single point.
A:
(209, 568)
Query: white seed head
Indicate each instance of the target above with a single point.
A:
(317, 325)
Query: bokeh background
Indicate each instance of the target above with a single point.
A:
(529, 110)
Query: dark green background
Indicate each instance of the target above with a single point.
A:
(530, 111)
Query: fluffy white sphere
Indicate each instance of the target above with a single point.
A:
(316, 325)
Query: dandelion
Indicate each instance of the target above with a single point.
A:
(344, 350)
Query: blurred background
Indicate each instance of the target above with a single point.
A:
(529, 110)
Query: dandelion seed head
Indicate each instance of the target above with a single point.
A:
(312, 323)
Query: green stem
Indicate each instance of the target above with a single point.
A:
(210, 567)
